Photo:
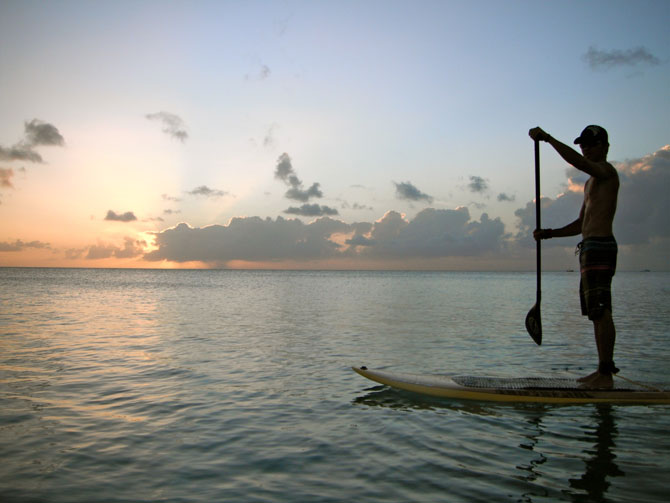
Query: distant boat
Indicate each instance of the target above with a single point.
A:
(569, 270)
(646, 270)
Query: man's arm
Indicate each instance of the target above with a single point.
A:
(571, 156)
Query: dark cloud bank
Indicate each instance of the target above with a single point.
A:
(432, 233)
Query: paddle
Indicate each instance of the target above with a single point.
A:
(533, 323)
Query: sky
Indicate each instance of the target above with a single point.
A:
(324, 135)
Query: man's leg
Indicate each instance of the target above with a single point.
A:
(605, 335)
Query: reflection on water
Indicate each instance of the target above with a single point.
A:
(601, 463)
(595, 441)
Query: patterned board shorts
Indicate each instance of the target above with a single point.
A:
(597, 261)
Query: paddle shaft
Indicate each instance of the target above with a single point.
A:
(537, 218)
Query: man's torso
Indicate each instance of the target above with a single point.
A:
(600, 199)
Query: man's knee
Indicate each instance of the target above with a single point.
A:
(600, 314)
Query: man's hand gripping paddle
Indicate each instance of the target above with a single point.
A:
(533, 323)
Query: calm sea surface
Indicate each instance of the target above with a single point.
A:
(235, 386)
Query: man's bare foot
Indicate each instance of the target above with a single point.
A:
(598, 381)
(588, 377)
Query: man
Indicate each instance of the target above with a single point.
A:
(598, 249)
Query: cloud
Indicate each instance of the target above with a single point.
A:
(642, 206)
(6, 175)
(205, 191)
(250, 239)
(360, 240)
(311, 210)
(555, 213)
(604, 60)
(19, 245)
(261, 73)
(478, 184)
(173, 125)
(131, 248)
(356, 206)
(269, 139)
(505, 197)
(19, 152)
(432, 233)
(298, 194)
(128, 216)
(41, 133)
(284, 171)
(170, 198)
(407, 191)
(36, 133)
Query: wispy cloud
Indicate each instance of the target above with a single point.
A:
(20, 245)
(128, 216)
(6, 175)
(173, 125)
(262, 72)
(269, 138)
(131, 248)
(604, 60)
(167, 197)
(205, 191)
(356, 206)
(506, 197)
(407, 191)
(478, 184)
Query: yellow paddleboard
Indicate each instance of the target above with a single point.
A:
(518, 389)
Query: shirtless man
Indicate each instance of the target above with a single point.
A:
(598, 249)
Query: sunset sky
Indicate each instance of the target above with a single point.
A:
(331, 134)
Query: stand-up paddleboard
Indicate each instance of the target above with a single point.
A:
(524, 389)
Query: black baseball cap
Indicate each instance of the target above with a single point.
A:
(592, 135)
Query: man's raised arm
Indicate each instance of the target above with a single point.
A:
(570, 155)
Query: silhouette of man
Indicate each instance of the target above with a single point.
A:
(598, 249)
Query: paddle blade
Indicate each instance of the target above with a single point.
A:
(534, 325)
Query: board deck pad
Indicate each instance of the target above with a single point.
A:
(516, 389)
(520, 383)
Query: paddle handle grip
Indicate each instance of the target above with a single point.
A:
(538, 224)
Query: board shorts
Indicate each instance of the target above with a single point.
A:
(597, 263)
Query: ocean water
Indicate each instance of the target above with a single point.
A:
(235, 386)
